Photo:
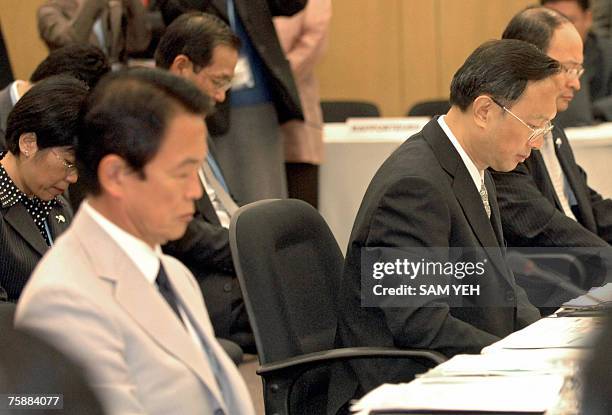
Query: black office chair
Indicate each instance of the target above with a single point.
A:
(289, 267)
(339, 111)
(429, 108)
(30, 366)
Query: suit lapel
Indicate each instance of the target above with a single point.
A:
(567, 163)
(59, 219)
(495, 214)
(463, 186)
(6, 105)
(18, 217)
(141, 301)
(466, 193)
(538, 160)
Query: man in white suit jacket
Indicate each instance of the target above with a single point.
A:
(95, 296)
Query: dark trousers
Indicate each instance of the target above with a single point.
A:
(303, 182)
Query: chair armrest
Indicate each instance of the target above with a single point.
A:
(348, 353)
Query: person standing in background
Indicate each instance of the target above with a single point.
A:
(118, 27)
(263, 96)
(304, 38)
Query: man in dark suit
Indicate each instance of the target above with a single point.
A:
(546, 201)
(597, 79)
(246, 128)
(433, 201)
(202, 49)
(87, 63)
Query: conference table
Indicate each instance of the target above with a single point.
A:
(355, 150)
(535, 370)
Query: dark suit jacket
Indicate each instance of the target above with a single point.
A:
(22, 245)
(532, 214)
(256, 16)
(6, 106)
(205, 250)
(423, 196)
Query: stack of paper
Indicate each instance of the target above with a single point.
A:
(552, 332)
(595, 298)
(505, 394)
(510, 363)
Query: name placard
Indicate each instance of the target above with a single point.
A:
(385, 127)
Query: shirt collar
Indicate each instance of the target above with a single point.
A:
(145, 258)
(477, 175)
(10, 194)
(14, 91)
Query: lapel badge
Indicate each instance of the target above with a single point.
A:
(558, 142)
(60, 218)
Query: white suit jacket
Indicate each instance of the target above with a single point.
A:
(89, 299)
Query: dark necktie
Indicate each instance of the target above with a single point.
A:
(165, 289)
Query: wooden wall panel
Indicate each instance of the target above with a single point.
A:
(362, 61)
(24, 46)
(419, 51)
(391, 52)
(480, 21)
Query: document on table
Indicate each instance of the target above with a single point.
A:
(530, 394)
(552, 332)
(603, 294)
(510, 363)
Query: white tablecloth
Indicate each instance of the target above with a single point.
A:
(351, 162)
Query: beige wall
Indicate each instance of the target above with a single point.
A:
(397, 52)
(25, 49)
(391, 52)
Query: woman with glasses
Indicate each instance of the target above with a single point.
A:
(37, 168)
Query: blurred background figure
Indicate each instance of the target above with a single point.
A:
(602, 15)
(594, 100)
(36, 170)
(84, 62)
(303, 38)
(6, 71)
(263, 96)
(118, 27)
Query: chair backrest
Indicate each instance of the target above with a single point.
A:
(289, 265)
(339, 111)
(429, 108)
(29, 365)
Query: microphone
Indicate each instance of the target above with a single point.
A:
(520, 264)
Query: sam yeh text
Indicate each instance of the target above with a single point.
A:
(426, 290)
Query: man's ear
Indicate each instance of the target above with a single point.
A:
(180, 65)
(482, 110)
(28, 146)
(113, 172)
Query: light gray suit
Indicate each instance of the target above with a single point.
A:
(90, 300)
(6, 106)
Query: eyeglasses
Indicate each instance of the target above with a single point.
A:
(71, 168)
(535, 132)
(572, 70)
(221, 84)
